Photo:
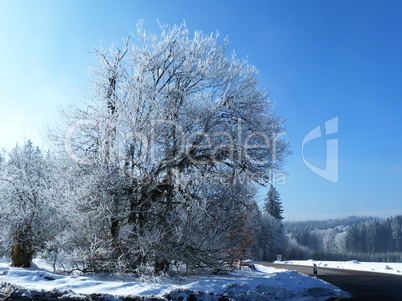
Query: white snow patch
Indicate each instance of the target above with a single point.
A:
(378, 267)
(261, 284)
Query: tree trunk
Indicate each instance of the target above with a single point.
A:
(114, 228)
(21, 252)
(161, 266)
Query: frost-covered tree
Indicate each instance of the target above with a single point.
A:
(28, 216)
(273, 204)
(176, 129)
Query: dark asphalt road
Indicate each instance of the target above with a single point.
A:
(366, 286)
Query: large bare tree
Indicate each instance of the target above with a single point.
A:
(177, 129)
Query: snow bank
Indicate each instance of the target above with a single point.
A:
(263, 284)
(379, 267)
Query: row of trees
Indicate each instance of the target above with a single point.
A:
(159, 170)
(377, 236)
(366, 238)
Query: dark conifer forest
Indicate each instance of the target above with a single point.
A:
(361, 238)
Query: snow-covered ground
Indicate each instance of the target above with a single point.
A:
(379, 267)
(263, 284)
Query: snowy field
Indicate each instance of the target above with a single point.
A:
(379, 267)
(263, 284)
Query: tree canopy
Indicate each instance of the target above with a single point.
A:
(161, 166)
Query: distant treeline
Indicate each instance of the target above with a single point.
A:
(362, 238)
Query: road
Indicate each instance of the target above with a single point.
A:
(368, 286)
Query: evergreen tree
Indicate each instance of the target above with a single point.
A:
(273, 239)
(273, 204)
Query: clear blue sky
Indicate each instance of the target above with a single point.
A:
(318, 60)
